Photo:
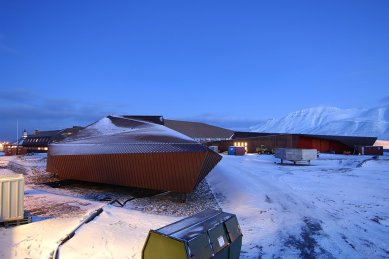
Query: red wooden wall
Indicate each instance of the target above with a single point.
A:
(322, 145)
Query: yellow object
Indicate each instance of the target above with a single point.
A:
(161, 247)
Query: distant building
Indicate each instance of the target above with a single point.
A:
(39, 141)
(323, 143)
(2, 145)
(15, 148)
(24, 136)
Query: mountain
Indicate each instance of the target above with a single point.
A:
(332, 121)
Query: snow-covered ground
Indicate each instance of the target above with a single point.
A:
(336, 208)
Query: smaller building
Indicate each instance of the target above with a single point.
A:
(16, 148)
(370, 150)
(38, 141)
(2, 145)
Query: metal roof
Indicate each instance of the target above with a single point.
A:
(198, 129)
(43, 138)
(244, 134)
(157, 119)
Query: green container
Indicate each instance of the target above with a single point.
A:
(208, 234)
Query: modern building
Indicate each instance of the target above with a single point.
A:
(323, 143)
(132, 151)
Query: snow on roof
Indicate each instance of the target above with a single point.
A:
(120, 129)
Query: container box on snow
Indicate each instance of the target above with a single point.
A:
(240, 151)
(208, 234)
(232, 150)
(11, 197)
(371, 150)
(296, 154)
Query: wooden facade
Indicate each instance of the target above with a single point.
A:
(323, 143)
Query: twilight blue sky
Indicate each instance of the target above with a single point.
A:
(232, 63)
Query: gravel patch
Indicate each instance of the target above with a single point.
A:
(173, 204)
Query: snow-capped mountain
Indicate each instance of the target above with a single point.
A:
(331, 120)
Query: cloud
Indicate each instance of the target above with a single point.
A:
(42, 113)
(17, 95)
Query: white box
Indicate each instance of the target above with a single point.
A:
(296, 154)
(11, 197)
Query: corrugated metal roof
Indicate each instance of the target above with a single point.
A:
(122, 148)
(157, 119)
(45, 133)
(43, 138)
(198, 129)
(243, 134)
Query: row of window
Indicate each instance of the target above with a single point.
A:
(241, 144)
(35, 140)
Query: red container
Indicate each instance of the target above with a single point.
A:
(240, 151)
(373, 150)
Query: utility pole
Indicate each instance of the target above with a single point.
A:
(17, 137)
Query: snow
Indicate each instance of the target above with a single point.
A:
(117, 233)
(6, 173)
(105, 127)
(328, 209)
(335, 208)
(331, 121)
(35, 240)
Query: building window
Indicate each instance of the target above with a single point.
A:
(241, 144)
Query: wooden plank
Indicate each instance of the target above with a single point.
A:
(18, 222)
